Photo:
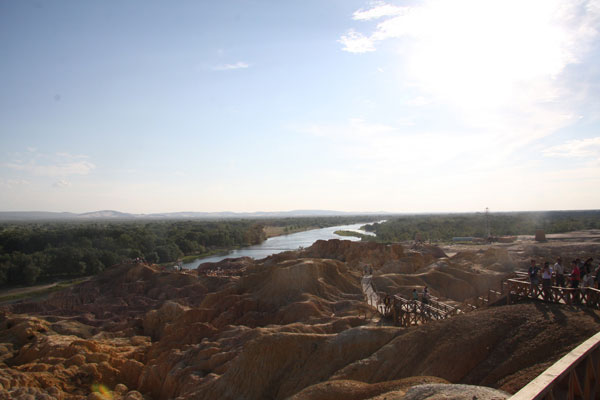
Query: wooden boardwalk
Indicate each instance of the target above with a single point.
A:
(409, 312)
(405, 312)
(371, 296)
(518, 289)
(414, 312)
(575, 376)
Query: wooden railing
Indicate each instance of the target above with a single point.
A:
(485, 300)
(446, 308)
(518, 289)
(575, 376)
(413, 312)
(371, 296)
(406, 312)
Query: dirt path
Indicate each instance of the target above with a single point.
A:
(20, 293)
(25, 290)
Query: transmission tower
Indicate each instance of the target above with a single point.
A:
(487, 223)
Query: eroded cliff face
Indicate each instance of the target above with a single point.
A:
(294, 324)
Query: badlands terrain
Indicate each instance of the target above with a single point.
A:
(293, 325)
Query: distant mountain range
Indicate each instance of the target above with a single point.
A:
(117, 215)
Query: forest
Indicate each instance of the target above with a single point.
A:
(37, 252)
(443, 227)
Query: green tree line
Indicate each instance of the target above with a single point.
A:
(45, 251)
(443, 227)
(34, 252)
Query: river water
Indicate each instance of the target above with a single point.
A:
(278, 244)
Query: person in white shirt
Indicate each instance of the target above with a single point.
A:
(588, 280)
(546, 279)
(559, 269)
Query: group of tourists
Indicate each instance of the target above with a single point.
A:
(137, 260)
(386, 299)
(424, 295)
(578, 274)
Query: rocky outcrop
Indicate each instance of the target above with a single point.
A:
(294, 361)
(292, 325)
(453, 392)
(355, 254)
(356, 390)
(53, 365)
(482, 348)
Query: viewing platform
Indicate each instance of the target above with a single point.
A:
(574, 376)
(519, 288)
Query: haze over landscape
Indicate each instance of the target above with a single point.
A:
(299, 200)
(402, 106)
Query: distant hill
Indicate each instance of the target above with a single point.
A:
(34, 215)
(117, 215)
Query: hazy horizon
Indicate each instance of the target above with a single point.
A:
(300, 212)
(404, 106)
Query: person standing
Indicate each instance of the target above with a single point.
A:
(575, 278)
(575, 275)
(546, 280)
(425, 296)
(533, 276)
(587, 276)
(387, 304)
(560, 272)
(415, 295)
(588, 262)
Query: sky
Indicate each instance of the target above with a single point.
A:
(248, 105)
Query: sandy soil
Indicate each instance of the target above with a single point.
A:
(582, 244)
(294, 323)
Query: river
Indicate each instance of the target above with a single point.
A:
(277, 244)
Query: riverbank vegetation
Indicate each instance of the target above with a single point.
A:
(443, 227)
(359, 235)
(46, 251)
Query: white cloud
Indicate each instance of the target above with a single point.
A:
(355, 42)
(230, 67)
(497, 65)
(61, 184)
(57, 165)
(585, 148)
(11, 183)
(400, 150)
(379, 10)
(401, 169)
(418, 101)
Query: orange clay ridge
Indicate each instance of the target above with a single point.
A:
(293, 325)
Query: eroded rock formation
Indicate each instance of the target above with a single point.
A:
(292, 325)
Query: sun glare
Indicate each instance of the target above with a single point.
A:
(484, 55)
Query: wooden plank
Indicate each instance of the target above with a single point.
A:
(589, 378)
(574, 384)
(542, 385)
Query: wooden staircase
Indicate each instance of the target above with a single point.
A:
(575, 376)
(405, 312)
(409, 312)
